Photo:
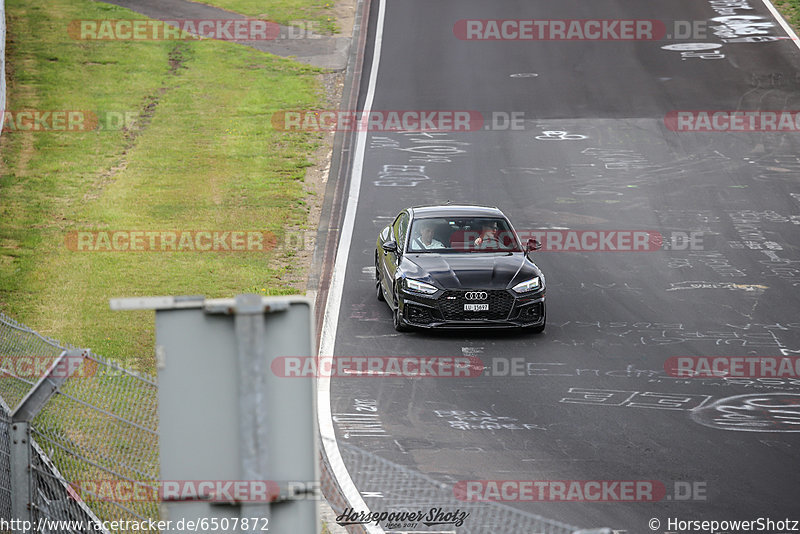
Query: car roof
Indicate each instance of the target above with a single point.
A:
(455, 210)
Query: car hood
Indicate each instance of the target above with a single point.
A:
(474, 270)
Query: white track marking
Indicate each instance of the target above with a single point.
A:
(334, 302)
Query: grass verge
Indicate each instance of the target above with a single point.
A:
(790, 9)
(287, 12)
(199, 154)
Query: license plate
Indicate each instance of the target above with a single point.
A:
(476, 307)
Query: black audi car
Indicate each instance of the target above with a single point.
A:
(458, 267)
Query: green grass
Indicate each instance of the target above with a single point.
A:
(202, 155)
(287, 12)
(790, 9)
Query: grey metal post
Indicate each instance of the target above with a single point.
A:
(253, 418)
(20, 435)
(20, 449)
(225, 415)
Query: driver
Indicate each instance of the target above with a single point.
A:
(488, 237)
(425, 238)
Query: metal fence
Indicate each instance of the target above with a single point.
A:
(78, 434)
(410, 490)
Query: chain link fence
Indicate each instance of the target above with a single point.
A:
(93, 448)
(407, 489)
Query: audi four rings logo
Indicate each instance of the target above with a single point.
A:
(476, 295)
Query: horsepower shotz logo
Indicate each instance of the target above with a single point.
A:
(403, 519)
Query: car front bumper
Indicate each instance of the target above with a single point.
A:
(445, 309)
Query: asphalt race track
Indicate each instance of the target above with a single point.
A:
(590, 398)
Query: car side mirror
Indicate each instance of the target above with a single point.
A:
(533, 244)
(389, 246)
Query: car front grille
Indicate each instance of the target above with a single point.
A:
(451, 305)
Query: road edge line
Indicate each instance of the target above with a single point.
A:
(334, 298)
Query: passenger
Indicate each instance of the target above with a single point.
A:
(425, 240)
(488, 237)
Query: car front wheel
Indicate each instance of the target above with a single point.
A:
(397, 316)
(378, 284)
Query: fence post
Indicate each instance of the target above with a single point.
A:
(253, 366)
(20, 436)
(20, 451)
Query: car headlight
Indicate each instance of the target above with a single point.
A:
(528, 285)
(420, 287)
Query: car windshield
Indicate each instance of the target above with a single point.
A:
(462, 234)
